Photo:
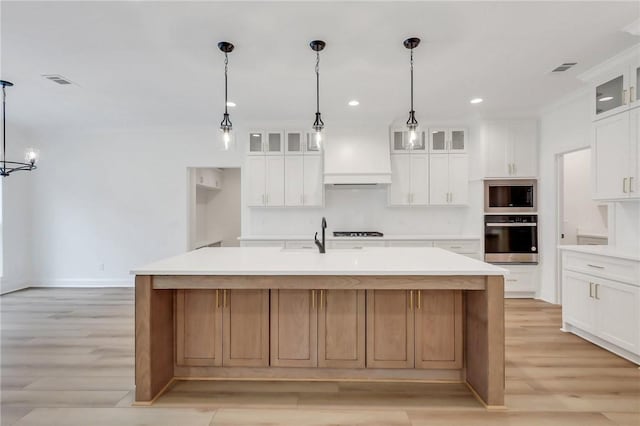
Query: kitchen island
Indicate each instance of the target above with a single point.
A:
(372, 314)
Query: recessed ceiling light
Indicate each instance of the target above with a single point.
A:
(354, 103)
(476, 100)
(231, 104)
(605, 99)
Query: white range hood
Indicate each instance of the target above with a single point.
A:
(357, 156)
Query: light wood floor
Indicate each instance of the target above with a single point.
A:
(67, 359)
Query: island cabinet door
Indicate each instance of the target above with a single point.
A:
(390, 329)
(245, 328)
(294, 328)
(438, 333)
(341, 329)
(198, 328)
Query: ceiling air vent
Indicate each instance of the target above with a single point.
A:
(564, 67)
(57, 78)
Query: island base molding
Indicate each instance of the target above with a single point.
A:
(417, 329)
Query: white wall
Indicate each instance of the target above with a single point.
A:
(16, 217)
(116, 198)
(581, 213)
(223, 210)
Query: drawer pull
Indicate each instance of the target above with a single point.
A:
(455, 247)
(511, 280)
(597, 285)
(595, 266)
(591, 289)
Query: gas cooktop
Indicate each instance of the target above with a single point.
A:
(357, 234)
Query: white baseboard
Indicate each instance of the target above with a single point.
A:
(84, 283)
(13, 289)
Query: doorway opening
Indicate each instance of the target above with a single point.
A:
(580, 219)
(213, 207)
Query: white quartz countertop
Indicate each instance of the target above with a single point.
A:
(329, 236)
(603, 250)
(279, 261)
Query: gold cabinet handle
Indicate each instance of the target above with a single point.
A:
(419, 299)
(217, 299)
(224, 298)
(624, 97)
(591, 289)
(597, 285)
(631, 184)
(321, 292)
(624, 185)
(313, 299)
(632, 92)
(410, 300)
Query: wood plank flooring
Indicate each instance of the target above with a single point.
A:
(66, 358)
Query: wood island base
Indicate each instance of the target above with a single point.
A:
(325, 328)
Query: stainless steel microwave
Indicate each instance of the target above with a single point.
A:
(510, 196)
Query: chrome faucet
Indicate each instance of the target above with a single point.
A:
(321, 245)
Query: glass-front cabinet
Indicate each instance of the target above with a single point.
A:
(616, 90)
(400, 141)
(447, 140)
(270, 143)
(294, 142)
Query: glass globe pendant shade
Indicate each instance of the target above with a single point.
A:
(226, 139)
(31, 156)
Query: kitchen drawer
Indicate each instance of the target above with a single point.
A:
(603, 266)
(300, 245)
(410, 243)
(459, 246)
(522, 280)
(355, 244)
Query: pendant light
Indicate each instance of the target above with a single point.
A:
(412, 123)
(318, 124)
(225, 125)
(30, 155)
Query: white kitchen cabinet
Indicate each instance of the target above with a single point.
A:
(446, 140)
(266, 142)
(448, 179)
(409, 180)
(510, 148)
(293, 180)
(209, 178)
(615, 156)
(601, 301)
(615, 87)
(399, 142)
(522, 281)
(294, 142)
(265, 183)
(303, 180)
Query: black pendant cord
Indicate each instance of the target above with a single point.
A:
(411, 79)
(318, 82)
(4, 132)
(226, 70)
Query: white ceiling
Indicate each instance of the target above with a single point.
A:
(156, 63)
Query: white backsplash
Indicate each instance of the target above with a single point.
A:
(366, 210)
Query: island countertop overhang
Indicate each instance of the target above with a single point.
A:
(275, 261)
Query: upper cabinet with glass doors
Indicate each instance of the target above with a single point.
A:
(615, 88)
(266, 143)
(400, 142)
(300, 142)
(447, 140)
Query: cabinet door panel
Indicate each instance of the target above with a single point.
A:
(419, 179)
(459, 179)
(400, 179)
(390, 333)
(634, 157)
(458, 140)
(246, 328)
(275, 181)
(313, 183)
(198, 328)
(523, 135)
(256, 169)
(294, 329)
(341, 329)
(577, 303)
(496, 150)
(438, 178)
(618, 313)
(293, 182)
(439, 329)
(610, 153)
